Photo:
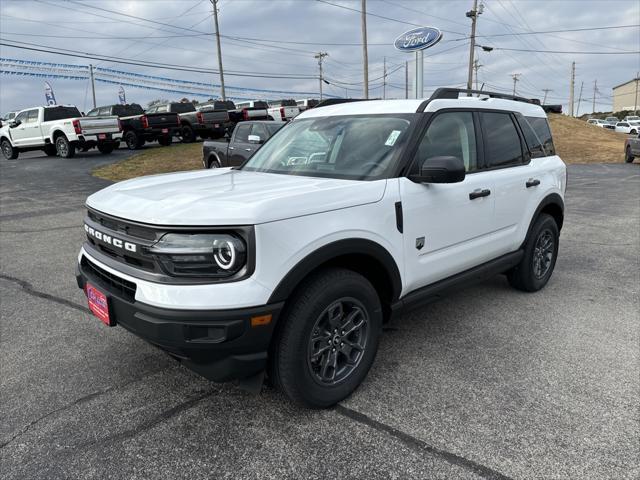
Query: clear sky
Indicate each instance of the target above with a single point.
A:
(280, 38)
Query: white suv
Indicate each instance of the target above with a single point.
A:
(348, 216)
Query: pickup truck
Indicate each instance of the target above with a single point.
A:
(347, 217)
(306, 103)
(206, 123)
(245, 140)
(632, 148)
(250, 110)
(284, 110)
(58, 130)
(139, 127)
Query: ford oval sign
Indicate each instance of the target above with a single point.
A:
(418, 39)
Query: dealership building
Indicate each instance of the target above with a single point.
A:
(626, 96)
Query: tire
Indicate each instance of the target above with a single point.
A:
(50, 150)
(539, 259)
(132, 140)
(105, 148)
(633, 132)
(310, 379)
(187, 133)
(165, 141)
(8, 150)
(64, 147)
(214, 163)
(628, 158)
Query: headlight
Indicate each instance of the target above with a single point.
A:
(215, 255)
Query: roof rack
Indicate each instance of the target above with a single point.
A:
(336, 101)
(453, 93)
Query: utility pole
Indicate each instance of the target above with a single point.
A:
(546, 91)
(93, 85)
(365, 55)
(320, 56)
(476, 66)
(473, 15)
(384, 77)
(579, 98)
(406, 79)
(214, 3)
(595, 89)
(515, 80)
(571, 85)
(635, 103)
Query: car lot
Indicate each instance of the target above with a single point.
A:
(486, 383)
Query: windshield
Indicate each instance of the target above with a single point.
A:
(350, 147)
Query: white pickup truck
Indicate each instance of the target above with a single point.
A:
(58, 130)
(284, 110)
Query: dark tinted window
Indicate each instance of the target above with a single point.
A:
(260, 104)
(183, 107)
(501, 140)
(242, 135)
(288, 103)
(224, 105)
(541, 127)
(450, 134)
(533, 141)
(258, 129)
(127, 110)
(273, 127)
(59, 113)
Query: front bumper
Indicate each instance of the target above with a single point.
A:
(220, 345)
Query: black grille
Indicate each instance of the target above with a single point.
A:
(117, 225)
(113, 283)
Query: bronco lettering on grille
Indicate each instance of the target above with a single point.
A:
(108, 239)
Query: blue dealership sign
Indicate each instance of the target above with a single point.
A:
(418, 39)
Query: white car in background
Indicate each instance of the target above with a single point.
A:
(597, 122)
(628, 127)
(631, 118)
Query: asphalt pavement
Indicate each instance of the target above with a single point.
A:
(487, 383)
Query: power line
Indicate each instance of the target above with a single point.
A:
(567, 52)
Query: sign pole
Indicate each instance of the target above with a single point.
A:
(417, 40)
(419, 73)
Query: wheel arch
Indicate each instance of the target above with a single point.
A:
(552, 204)
(213, 156)
(363, 256)
(57, 133)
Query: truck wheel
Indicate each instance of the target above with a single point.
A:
(165, 141)
(328, 338)
(64, 147)
(539, 259)
(9, 152)
(105, 148)
(628, 157)
(633, 132)
(132, 140)
(213, 163)
(50, 150)
(187, 133)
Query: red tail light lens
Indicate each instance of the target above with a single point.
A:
(145, 121)
(282, 113)
(76, 127)
(245, 114)
(200, 117)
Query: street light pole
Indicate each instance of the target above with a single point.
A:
(365, 55)
(473, 15)
(214, 3)
(320, 56)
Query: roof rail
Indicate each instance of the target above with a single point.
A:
(336, 101)
(453, 93)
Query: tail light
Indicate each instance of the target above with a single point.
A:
(245, 114)
(200, 117)
(76, 127)
(145, 121)
(282, 113)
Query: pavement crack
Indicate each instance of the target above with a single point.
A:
(30, 290)
(420, 446)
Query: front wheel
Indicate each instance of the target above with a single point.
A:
(633, 132)
(328, 339)
(64, 147)
(539, 259)
(8, 150)
(628, 157)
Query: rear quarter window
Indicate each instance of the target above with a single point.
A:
(540, 125)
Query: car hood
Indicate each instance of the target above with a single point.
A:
(229, 197)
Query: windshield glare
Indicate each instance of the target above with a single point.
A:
(350, 147)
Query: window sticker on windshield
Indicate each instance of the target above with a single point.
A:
(393, 136)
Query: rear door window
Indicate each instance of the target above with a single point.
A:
(536, 149)
(501, 140)
(541, 127)
(242, 135)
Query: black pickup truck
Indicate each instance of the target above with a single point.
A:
(246, 139)
(197, 122)
(139, 127)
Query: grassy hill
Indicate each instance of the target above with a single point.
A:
(575, 140)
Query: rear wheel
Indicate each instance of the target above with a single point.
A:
(8, 150)
(105, 148)
(64, 147)
(50, 150)
(187, 133)
(328, 338)
(539, 259)
(628, 157)
(633, 132)
(132, 140)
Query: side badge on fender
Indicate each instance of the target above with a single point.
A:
(419, 243)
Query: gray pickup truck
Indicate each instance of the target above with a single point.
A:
(204, 123)
(246, 139)
(632, 148)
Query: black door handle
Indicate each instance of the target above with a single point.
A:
(479, 193)
(532, 182)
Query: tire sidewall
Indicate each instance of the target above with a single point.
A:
(543, 223)
(131, 140)
(8, 151)
(628, 158)
(62, 141)
(188, 134)
(294, 371)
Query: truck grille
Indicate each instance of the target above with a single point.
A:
(114, 284)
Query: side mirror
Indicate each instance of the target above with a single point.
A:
(440, 170)
(254, 139)
(15, 123)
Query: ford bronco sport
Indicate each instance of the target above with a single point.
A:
(346, 217)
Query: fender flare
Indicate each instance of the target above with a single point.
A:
(330, 251)
(213, 156)
(551, 199)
